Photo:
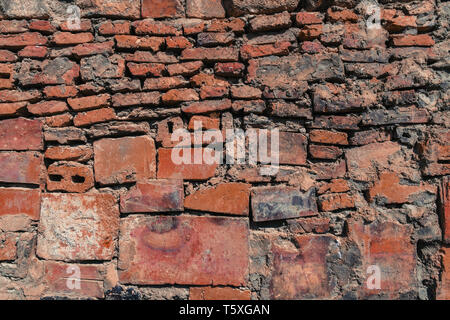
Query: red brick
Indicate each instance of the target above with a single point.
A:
(389, 189)
(8, 247)
(212, 39)
(229, 69)
(175, 96)
(183, 250)
(89, 49)
(13, 26)
(58, 275)
(167, 169)
(324, 152)
(22, 40)
(162, 8)
(15, 201)
(241, 7)
(387, 245)
(304, 18)
(336, 201)
(109, 28)
(207, 123)
(135, 99)
(177, 43)
(155, 28)
(229, 198)
(66, 38)
(281, 202)
(185, 68)
(443, 291)
(342, 15)
(256, 51)
(154, 196)
(270, 22)
(312, 47)
(7, 56)
(21, 167)
(364, 162)
(95, 240)
(292, 148)
(94, 116)
(165, 129)
(61, 120)
(444, 200)
(326, 170)
(421, 40)
(85, 25)
(207, 106)
(123, 160)
(218, 293)
(205, 9)
(164, 83)
(226, 25)
(400, 23)
(61, 91)
(310, 32)
(77, 153)
(211, 92)
(12, 109)
(203, 79)
(134, 42)
(69, 177)
(301, 272)
(334, 186)
(46, 108)
(21, 134)
(90, 102)
(146, 69)
(16, 95)
(328, 137)
(43, 26)
(210, 54)
(36, 52)
(124, 9)
(7, 73)
(194, 28)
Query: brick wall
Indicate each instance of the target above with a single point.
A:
(88, 185)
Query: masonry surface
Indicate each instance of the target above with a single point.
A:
(87, 181)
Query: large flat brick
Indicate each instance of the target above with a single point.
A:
(183, 250)
(162, 8)
(21, 134)
(78, 227)
(277, 203)
(21, 167)
(122, 160)
(15, 201)
(154, 196)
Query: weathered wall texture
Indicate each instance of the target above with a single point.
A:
(86, 175)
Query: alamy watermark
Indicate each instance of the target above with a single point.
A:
(230, 149)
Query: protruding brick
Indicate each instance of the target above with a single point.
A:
(95, 240)
(154, 196)
(277, 203)
(21, 134)
(230, 198)
(183, 250)
(124, 160)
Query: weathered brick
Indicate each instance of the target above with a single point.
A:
(12, 109)
(154, 196)
(69, 177)
(46, 108)
(162, 8)
(257, 51)
(205, 9)
(164, 83)
(211, 39)
(61, 91)
(444, 211)
(57, 71)
(324, 152)
(211, 92)
(22, 40)
(109, 28)
(15, 201)
(171, 250)
(36, 52)
(127, 9)
(21, 167)
(230, 198)
(175, 96)
(292, 148)
(328, 137)
(240, 7)
(122, 160)
(21, 134)
(135, 42)
(168, 169)
(185, 68)
(229, 69)
(207, 106)
(210, 54)
(99, 66)
(277, 203)
(8, 247)
(387, 245)
(423, 40)
(83, 26)
(60, 120)
(76, 153)
(271, 22)
(301, 272)
(68, 38)
(90, 102)
(304, 18)
(336, 201)
(443, 291)
(89, 49)
(155, 28)
(82, 241)
(95, 116)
